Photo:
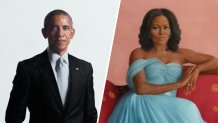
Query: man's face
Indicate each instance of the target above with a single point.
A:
(59, 33)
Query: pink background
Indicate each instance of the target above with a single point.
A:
(198, 20)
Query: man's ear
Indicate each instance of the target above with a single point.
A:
(72, 33)
(44, 33)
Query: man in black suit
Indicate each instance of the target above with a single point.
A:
(52, 97)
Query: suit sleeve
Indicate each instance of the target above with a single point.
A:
(16, 109)
(91, 112)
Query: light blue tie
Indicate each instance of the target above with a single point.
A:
(62, 78)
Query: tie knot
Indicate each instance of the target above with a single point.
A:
(60, 60)
(59, 63)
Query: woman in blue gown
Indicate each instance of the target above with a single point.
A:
(155, 73)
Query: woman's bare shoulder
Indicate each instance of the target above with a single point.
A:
(184, 51)
(189, 54)
(137, 51)
(136, 54)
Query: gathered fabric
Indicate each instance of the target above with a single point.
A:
(160, 108)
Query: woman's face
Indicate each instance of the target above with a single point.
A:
(160, 30)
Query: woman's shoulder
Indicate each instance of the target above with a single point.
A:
(136, 54)
(186, 54)
(137, 51)
(184, 51)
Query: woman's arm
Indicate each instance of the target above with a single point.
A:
(204, 62)
(140, 81)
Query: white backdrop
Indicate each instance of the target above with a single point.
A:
(20, 30)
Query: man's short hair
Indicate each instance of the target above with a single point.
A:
(53, 13)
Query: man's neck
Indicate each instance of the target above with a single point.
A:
(60, 53)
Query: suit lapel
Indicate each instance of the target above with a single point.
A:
(74, 75)
(50, 80)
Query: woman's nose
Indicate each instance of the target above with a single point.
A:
(161, 31)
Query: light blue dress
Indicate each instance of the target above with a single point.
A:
(161, 108)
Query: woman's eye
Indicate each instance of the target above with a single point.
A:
(167, 28)
(155, 28)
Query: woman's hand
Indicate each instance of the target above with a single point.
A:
(194, 77)
(191, 85)
(189, 78)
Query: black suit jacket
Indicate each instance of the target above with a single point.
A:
(35, 87)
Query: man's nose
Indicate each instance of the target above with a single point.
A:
(60, 32)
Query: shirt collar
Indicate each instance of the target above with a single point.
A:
(53, 57)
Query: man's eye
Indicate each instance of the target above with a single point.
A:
(66, 27)
(53, 28)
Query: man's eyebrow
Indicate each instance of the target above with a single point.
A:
(52, 25)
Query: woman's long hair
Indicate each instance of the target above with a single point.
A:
(144, 35)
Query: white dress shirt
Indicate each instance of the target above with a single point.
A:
(53, 57)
